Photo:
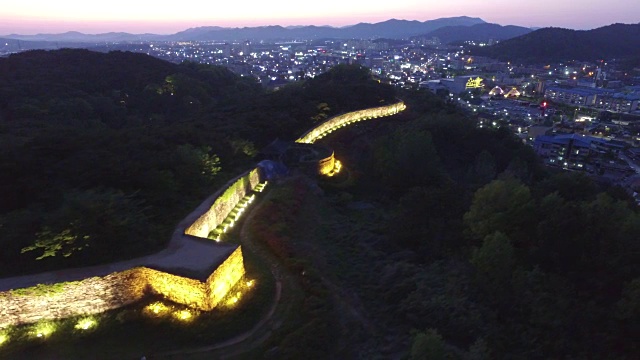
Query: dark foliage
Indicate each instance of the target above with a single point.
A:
(138, 140)
(485, 253)
(555, 44)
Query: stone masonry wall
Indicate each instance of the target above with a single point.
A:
(224, 278)
(89, 296)
(99, 294)
(327, 164)
(178, 289)
(233, 192)
(342, 120)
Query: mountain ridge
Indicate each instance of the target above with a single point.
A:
(392, 28)
(560, 44)
(479, 32)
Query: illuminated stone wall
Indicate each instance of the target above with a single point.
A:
(220, 204)
(326, 165)
(339, 121)
(89, 296)
(99, 294)
(175, 288)
(224, 278)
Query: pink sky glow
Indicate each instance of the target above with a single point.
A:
(39, 16)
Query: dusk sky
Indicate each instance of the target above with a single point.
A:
(164, 17)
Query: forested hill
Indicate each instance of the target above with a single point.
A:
(71, 86)
(124, 139)
(83, 70)
(457, 237)
(555, 44)
(479, 32)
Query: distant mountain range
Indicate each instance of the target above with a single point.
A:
(555, 44)
(393, 29)
(13, 45)
(479, 32)
(75, 36)
(516, 43)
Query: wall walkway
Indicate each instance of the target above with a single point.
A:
(96, 289)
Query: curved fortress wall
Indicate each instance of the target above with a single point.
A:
(342, 120)
(223, 279)
(98, 294)
(89, 296)
(327, 164)
(215, 209)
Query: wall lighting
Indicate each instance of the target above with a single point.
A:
(86, 323)
(156, 308)
(183, 315)
(43, 329)
(4, 337)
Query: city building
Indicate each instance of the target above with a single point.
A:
(623, 100)
(574, 151)
(462, 83)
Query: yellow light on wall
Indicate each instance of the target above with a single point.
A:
(339, 121)
(4, 337)
(241, 290)
(86, 323)
(224, 278)
(234, 300)
(336, 168)
(156, 308)
(183, 315)
(43, 329)
(131, 285)
(260, 187)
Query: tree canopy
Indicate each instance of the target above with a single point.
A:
(101, 154)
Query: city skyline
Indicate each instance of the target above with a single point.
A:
(33, 17)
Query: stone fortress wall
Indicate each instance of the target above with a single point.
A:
(223, 204)
(326, 165)
(101, 293)
(342, 120)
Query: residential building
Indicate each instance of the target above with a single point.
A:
(573, 151)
